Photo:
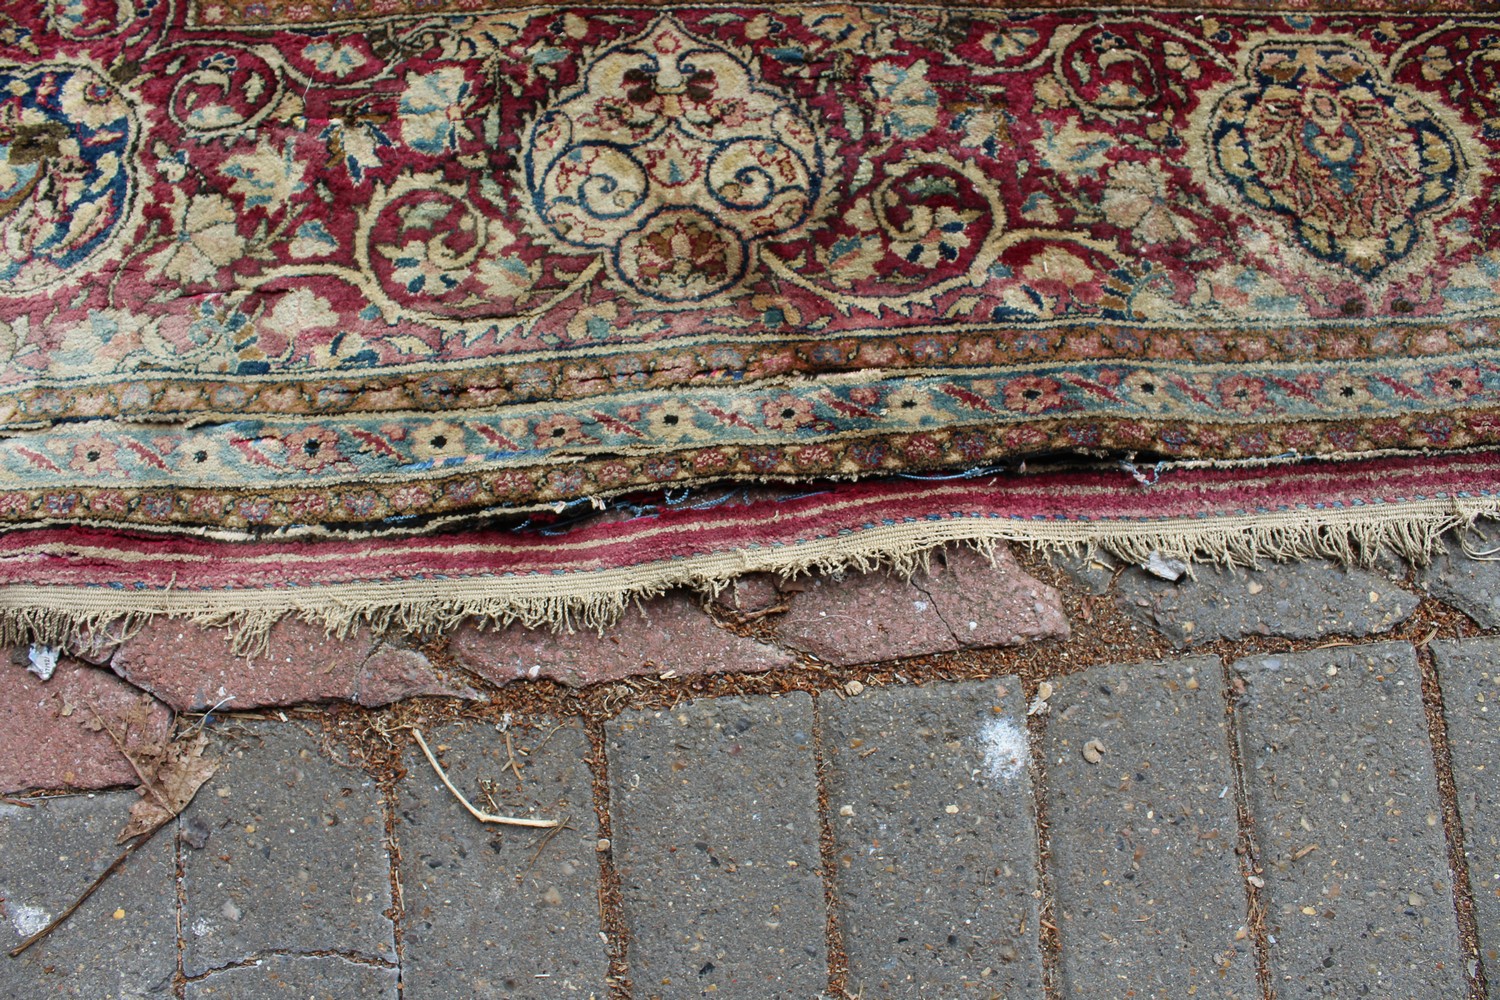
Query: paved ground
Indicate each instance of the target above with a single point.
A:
(1039, 780)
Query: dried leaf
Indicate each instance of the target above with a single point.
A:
(172, 776)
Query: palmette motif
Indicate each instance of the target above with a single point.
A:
(388, 266)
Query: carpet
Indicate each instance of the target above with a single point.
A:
(345, 284)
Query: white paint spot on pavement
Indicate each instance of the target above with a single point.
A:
(27, 920)
(1006, 749)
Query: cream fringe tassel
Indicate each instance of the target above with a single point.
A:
(64, 615)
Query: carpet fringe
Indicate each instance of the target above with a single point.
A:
(1350, 536)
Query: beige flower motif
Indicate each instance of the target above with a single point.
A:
(206, 238)
(1137, 197)
(910, 405)
(12, 336)
(853, 259)
(1057, 264)
(676, 421)
(1070, 150)
(1180, 61)
(1347, 391)
(1147, 390)
(299, 310)
(89, 99)
(1435, 63)
(438, 439)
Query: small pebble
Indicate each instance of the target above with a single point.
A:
(846, 810)
(603, 844)
(195, 833)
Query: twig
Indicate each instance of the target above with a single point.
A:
(483, 817)
(510, 753)
(546, 839)
(57, 921)
(551, 733)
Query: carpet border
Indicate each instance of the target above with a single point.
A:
(594, 599)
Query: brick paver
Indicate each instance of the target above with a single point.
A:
(123, 942)
(936, 875)
(1297, 600)
(714, 806)
(1470, 584)
(501, 911)
(295, 859)
(1343, 790)
(1149, 892)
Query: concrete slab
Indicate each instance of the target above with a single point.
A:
(193, 667)
(123, 941)
(1298, 600)
(1149, 893)
(295, 861)
(1343, 790)
(501, 912)
(1469, 583)
(714, 807)
(936, 873)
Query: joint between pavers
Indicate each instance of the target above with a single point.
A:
(1048, 940)
(838, 962)
(1248, 846)
(611, 906)
(180, 896)
(1474, 971)
(398, 900)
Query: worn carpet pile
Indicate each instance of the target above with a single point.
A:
(355, 308)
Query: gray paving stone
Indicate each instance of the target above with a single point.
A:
(1469, 672)
(1471, 585)
(295, 859)
(490, 912)
(1336, 755)
(1149, 892)
(123, 941)
(1297, 600)
(936, 881)
(298, 977)
(714, 810)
